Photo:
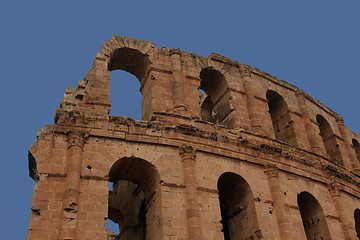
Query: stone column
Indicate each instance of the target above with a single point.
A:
(351, 151)
(279, 205)
(177, 78)
(251, 101)
(76, 142)
(310, 128)
(252, 104)
(188, 156)
(334, 190)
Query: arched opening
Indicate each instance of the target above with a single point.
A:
(357, 222)
(281, 119)
(356, 146)
(207, 111)
(125, 95)
(329, 140)
(112, 228)
(238, 215)
(134, 202)
(125, 91)
(312, 217)
(214, 103)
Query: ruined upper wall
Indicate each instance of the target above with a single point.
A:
(235, 96)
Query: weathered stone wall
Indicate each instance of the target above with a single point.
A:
(252, 157)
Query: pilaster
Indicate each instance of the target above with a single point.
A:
(76, 141)
(188, 156)
(279, 205)
(177, 77)
(351, 154)
(252, 104)
(334, 190)
(310, 129)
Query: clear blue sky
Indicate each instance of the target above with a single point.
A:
(48, 45)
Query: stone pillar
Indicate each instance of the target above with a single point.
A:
(251, 102)
(188, 156)
(310, 128)
(334, 190)
(252, 105)
(177, 77)
(76, 142)
(279, 205)
(351, 151)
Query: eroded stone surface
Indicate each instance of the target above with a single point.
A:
(252, 157)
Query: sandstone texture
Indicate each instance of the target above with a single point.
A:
(248, 157)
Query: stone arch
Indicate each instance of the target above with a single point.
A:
(131, 61)
(312, 216)
(119, 53)
(329, 140)
(215, 104)
(238, 215)
(356, 146)
(110, 47)
(282, 122)
(357, 222)
(135, 199)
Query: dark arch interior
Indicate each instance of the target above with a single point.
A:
(130, 60)
(212, 82)
(312, 217)
(137, 171)
(329, 140)
(356, 146)
(214, 103)
(357, 222)
(135, 182)
(325, 129)
(237, 208)
(207, 111)
(281, 118)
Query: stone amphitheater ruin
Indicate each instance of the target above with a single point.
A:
(251, 157)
